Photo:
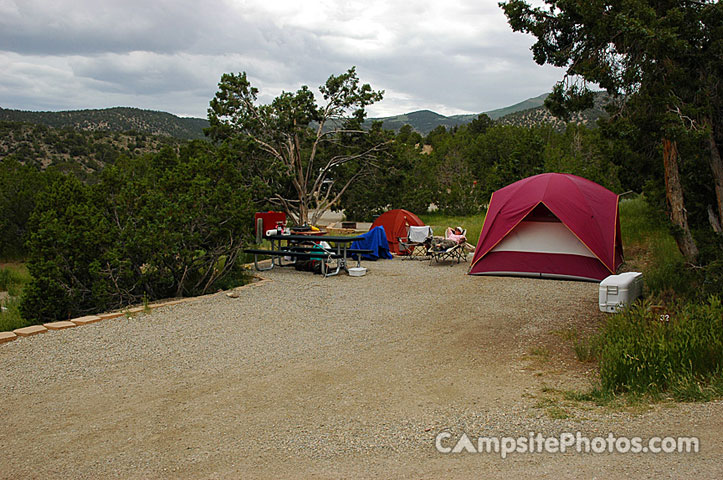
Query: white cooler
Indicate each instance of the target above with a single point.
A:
(618, 291)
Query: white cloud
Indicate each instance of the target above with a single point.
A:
(454, 57)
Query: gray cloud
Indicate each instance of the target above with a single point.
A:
(40, 27)
(170, 54)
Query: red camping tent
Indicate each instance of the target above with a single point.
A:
(395, 225)
(551, 225)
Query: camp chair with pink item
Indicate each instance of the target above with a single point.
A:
(452, 247)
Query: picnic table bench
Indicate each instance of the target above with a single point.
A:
(295, 251)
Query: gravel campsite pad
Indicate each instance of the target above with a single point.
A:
(336, 377)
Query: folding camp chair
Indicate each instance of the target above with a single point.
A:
(448, 249)
(416, 243)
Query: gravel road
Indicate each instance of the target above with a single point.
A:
(331, 378)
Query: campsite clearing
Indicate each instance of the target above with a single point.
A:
(345, 378)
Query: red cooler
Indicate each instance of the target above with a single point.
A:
(270, 219)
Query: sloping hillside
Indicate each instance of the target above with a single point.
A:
(70, 150)
(423, 121)
(540, 115)
(118, 119)
(526, 113)
(135, 120)
(534, 102)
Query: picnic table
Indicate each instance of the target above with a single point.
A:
(293, 246)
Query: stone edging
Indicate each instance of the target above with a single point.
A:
(89, 319)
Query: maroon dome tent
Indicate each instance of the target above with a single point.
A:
(395, 225)
(552, 225)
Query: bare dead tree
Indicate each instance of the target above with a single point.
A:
(293, 130)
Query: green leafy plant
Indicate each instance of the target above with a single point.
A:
(646, 352)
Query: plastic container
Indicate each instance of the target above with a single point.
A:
(619, 291)
(357, 271)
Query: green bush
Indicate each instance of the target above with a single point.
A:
(20, 186)
(643, 352)
(157, 226)
(10, 317)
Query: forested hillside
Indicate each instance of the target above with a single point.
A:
(540, 115)
(118, 119)
(123, 119)
(70, 150)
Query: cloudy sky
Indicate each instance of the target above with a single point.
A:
(458, 56)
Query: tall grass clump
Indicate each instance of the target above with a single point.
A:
(638, 222)
(12, 280)
(680, 353)
(10, 317)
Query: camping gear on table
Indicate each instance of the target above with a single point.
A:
(374, 240)
(552, 225)
(395, 223)
(619, 291)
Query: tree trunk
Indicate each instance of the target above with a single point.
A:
(674, 195)
(716, 165)
(713, 220)
(303, 213)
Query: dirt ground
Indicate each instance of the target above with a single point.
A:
(305, 377)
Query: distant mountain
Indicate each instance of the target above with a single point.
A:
(526, 113)
(118, 119)
(423, 121)
(149, 122)
(541, 115)
(534, 102)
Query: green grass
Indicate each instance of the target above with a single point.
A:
(13, 277)
(587, 349)
(439, 223)
(557, 413)
(10, 318)
(650, 248)
(542, 353)
(681, 354)
(637, 222)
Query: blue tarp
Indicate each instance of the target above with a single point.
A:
(376, 241)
